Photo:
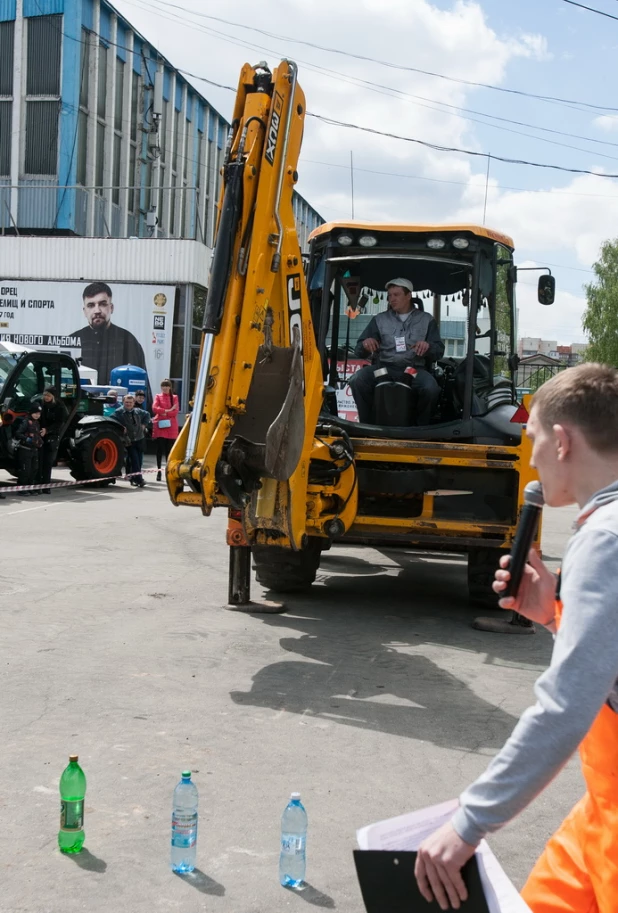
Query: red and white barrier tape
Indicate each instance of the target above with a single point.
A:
(12, 489)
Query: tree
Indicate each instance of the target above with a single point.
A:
(601, 315)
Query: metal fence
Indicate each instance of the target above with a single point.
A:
(530, 376)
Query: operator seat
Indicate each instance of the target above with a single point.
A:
(482, 383)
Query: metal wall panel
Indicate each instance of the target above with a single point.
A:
(139, 260)
(38, 202)
(8, 10)
(43, 7)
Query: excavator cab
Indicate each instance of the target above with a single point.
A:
(464, 276)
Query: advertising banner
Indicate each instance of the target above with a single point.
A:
(104, 325)
(346, 407)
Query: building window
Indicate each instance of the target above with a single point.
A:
(6, 108)
(41, 137)
(44, 47)
(102, 82)
(116, 170)
(119, 95)
(6, 95)
(177, 140)
(133, 169)
(6, 57)
(82, 117)
(163, 143)
(134, 105)
(118, 131)
(100, 158)
(133, 193)
(82, 146)
(42, 94)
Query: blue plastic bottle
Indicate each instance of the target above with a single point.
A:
(184, 825)
(293, 859)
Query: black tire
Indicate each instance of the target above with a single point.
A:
(285, 571)
(98, 456)
(482, 565)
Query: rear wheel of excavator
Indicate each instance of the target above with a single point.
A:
(482, 565)
(285, 571)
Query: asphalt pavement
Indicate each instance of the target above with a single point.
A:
(372, 695)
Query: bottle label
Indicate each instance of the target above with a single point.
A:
(184, 829)
(72, 815)
(293, 844)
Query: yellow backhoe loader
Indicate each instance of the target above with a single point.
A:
(273, 436)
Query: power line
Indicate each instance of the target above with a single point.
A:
(390, 91)
(473, 152)
(590, 9)
(417, 177)
(389, 64)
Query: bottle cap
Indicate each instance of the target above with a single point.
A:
(295, 797)
(186, 775)
(73, 757)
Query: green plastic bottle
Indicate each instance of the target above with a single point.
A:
(71, 835)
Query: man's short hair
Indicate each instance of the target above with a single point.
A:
(96, 288)
(586, 396)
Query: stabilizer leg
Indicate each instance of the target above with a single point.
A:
(239, 585)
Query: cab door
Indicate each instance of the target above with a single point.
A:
(28, 380)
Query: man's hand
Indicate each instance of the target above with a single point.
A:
(371, 345)
(43, 432)
(438, 867)
(537, 590)
(421, 348)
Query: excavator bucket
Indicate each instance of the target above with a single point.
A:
(268, 437)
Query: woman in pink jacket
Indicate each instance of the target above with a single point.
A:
(165, 423)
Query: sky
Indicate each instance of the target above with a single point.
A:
(556, 218)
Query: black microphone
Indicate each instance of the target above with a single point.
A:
(524, 535)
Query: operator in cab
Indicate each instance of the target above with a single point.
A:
(401, 337)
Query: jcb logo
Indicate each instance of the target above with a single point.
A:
(273, 128)
(295, 317)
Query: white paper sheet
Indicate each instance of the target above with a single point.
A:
(407, 832)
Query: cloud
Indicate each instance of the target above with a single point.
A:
(607, 122)
(577, 217)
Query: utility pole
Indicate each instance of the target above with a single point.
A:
(352, 179)
(486, 186)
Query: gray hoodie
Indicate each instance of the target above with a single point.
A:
(582, 676)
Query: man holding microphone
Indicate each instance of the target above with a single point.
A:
(573, 427)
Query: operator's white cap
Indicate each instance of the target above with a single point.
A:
(404, 283)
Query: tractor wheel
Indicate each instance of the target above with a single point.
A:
(286, 571)
(98, 456)
(482, 565)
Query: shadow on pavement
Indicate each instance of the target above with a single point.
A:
(313, 896)
(361, 633)
(202, 882)
(86, 860)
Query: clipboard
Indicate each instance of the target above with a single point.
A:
(388, 885)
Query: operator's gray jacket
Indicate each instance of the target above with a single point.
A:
(386, 327)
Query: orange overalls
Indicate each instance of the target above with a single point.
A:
(578, 869)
